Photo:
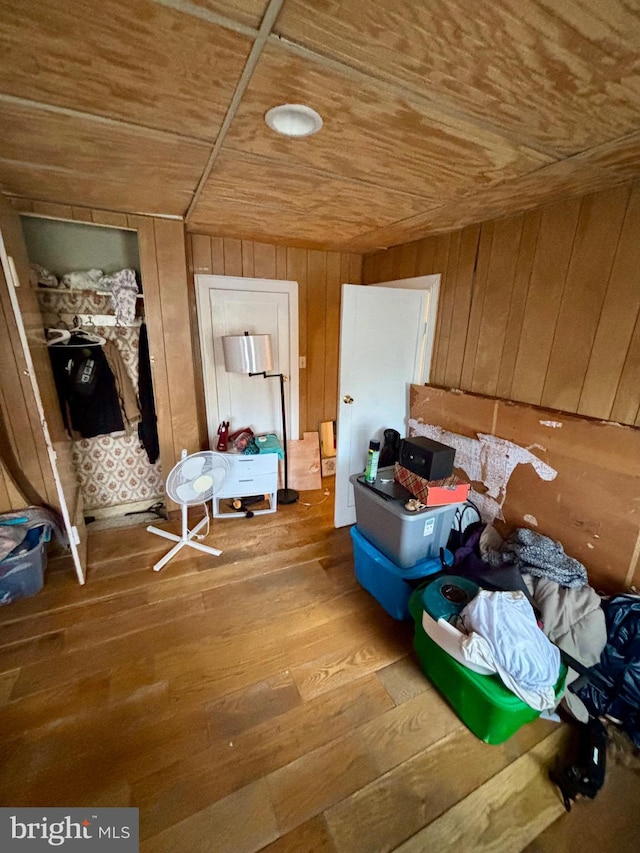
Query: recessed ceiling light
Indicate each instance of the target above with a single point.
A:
(293, 120)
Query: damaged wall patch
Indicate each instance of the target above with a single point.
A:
(486, 459)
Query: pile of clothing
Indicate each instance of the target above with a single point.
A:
(122, 285)
(502, 635)
(600, 634)
(569, 610)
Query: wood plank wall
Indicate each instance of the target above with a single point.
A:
(542, 308)
(320, 276)
(164, 273)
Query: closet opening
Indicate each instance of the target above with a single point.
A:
(90, 290)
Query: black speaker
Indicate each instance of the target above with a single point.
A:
(427, 458)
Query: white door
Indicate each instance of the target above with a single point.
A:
(231, 306)
(386, 339)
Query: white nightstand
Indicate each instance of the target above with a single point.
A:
(250, 475)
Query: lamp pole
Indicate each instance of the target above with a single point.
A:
(285, 495)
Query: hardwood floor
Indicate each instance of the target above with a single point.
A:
(260, 700)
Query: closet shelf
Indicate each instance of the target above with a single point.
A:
(82, 290)
(89, 320)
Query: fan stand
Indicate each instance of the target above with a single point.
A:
(182, 540)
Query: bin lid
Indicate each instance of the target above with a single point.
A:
(447, 595)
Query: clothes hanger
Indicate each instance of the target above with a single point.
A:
(57, 336)
(69, 337)
(90, 338)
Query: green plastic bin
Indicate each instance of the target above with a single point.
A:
(483, 703)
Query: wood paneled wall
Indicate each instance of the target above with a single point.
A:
(542, 308)
(164, 274)
(320, 276)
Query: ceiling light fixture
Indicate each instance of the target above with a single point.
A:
(295, 120)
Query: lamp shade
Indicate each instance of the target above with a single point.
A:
(247, 353)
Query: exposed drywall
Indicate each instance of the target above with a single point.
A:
(592, 505)
(488, 462)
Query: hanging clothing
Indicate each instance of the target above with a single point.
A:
(126, 393)
(86, 389)
(148, 426)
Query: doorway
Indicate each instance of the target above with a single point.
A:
(76, 275)
(387, 332)
(229, 305)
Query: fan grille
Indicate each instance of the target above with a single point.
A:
(197, 478)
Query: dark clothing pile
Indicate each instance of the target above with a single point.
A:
(614, 691)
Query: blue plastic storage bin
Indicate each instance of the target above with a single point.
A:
(388, 583)
(22, 571)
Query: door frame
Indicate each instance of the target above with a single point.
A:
(431, 283)
(205, 282)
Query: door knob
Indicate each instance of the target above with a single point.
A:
(347, 399)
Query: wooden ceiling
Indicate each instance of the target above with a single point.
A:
(437, 113)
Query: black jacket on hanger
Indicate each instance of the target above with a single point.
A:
(86, 389)
(148, 426)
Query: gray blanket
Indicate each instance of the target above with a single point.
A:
(539, 556)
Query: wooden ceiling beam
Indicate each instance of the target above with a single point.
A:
(268, 21)
(151, 132)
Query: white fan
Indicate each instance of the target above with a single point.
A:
(193, 480)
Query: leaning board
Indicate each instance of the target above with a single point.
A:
(592, 506)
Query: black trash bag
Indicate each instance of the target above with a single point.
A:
(615, 691)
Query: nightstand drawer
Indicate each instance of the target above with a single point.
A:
(242, 485)
(251, 464)
(259, 463)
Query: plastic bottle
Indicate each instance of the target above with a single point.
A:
(373, 456)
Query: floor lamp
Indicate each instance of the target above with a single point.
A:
(252, 355)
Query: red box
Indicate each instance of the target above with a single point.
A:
(432, 492)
